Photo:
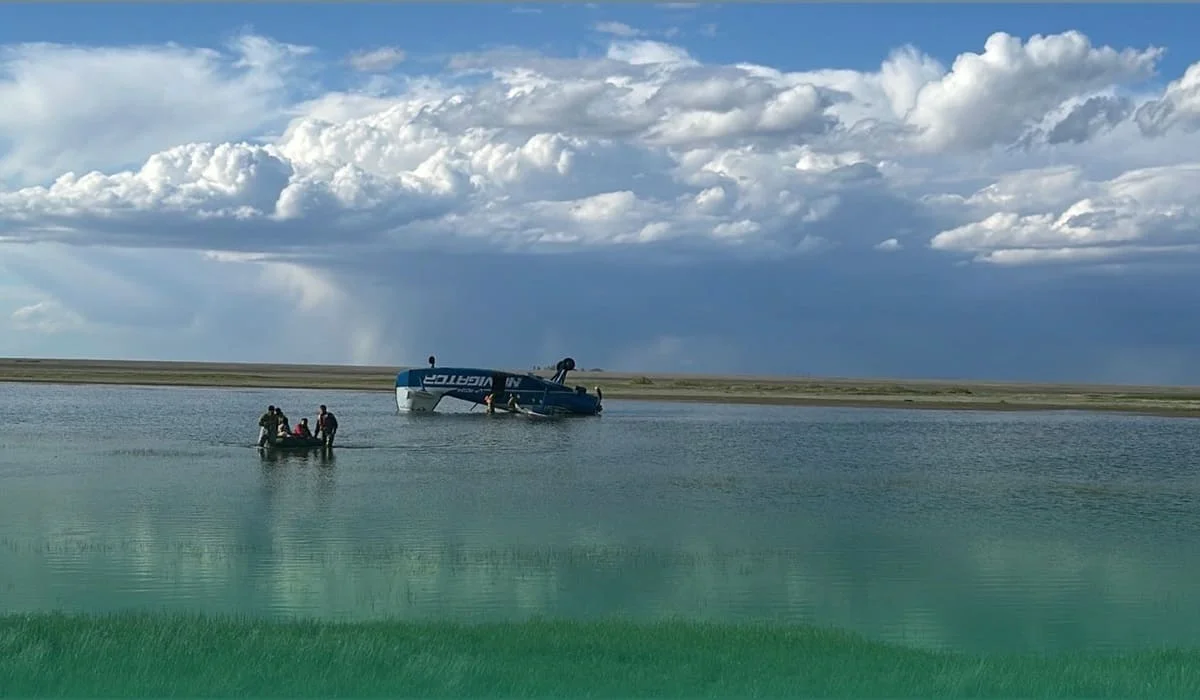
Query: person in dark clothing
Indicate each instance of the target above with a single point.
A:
(267, 425)
(327, 426)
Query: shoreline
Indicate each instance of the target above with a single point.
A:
(918, 394)
(82, 655)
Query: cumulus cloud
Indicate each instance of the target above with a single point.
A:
(544, 136)
(1178, 108)
(991, 98)
(1084, 120)
(337, 203)
(82, 108)
(1057, 215)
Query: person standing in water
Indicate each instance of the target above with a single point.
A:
(326, 426)
(267, 425)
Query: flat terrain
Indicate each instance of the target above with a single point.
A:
(799, 391)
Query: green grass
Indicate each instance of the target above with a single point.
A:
(145, 655)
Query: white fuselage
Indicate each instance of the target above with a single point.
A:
(412, 399)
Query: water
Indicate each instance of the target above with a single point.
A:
(959, 530)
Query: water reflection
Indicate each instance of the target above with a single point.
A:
(998, 594)
(323, 456)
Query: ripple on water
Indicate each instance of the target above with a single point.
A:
(154, 453)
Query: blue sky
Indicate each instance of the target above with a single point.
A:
(791, 36)
(745, 188)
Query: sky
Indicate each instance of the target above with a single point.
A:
(956, 191)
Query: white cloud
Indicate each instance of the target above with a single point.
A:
(1069, 218)
(993, 97)
(617, 29)
(80, 108)
(641, 146)
(46, 317)
(1049, 149)
(1178, 107)
(378, 60)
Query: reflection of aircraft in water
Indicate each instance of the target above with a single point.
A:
(421, 390)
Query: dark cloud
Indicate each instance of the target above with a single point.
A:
(832, 314)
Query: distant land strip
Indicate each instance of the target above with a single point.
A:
(794, 391)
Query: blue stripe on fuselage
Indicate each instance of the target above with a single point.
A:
(473, 384)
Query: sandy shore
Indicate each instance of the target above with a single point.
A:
(796, 391)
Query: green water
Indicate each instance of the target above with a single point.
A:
(42, 656)
(970, 532)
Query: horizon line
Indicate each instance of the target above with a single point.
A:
(615, 373)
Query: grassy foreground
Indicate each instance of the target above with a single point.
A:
(141, 655)
(799, 391)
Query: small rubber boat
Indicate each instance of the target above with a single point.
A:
(294, 443)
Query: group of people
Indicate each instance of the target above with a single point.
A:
(274, 424)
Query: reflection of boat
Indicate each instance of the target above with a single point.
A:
(323, 457)
(421, 390)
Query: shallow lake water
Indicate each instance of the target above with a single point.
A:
(1029, 532)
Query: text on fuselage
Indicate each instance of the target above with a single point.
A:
(468, 381)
